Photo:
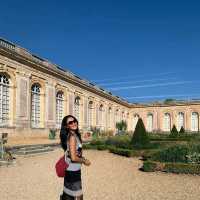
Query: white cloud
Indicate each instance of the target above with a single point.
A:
(140, 81)
(163, 96)
(150, 85)
(132, 76)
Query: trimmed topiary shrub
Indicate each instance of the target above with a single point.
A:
(182, 130)
(140, 136)
(174, 132)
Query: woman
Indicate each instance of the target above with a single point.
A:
(72, 143)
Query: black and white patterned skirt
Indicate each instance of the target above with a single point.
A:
(72, 185)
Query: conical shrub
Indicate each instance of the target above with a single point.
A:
(174, 132)
(182, 130)
(140, 136)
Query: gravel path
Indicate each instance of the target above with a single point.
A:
(110, 177)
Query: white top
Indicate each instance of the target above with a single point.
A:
(74, 166)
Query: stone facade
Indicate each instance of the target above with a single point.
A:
(40, 94)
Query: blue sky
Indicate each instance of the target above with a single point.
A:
(143, 51)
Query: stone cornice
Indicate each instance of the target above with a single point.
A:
(23, 56)
(165, 105)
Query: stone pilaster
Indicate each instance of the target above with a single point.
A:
(85, 113)
(23, 99)
(50, 99)
(71, 102)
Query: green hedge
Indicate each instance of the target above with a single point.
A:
(181, 137)
(89, 146)
(150, 145)
(97, 142)
(182, 168)
(122, 152)
(98, 147)
(149, 166)
(152, 166)
(148, 154)
(172, 154)
(102, 147)
(132, 153)
(172, 139)
(119, 141)
(186, 153)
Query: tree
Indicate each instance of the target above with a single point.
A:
(166, 101)
(140, 136)
(182, 130)
(121, 126)
(124, 125)
(174, 132)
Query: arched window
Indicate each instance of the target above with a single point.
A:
(4, 98)
(90, 117)
(150, 122)
(180, 120)
(59, 107)
(135, 120)
(123, 115)
(167, 122)
(35, 105)
(127, 116)
(77, 108)
(195, 122)
(117, 116)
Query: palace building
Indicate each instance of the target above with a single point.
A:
(36, 94)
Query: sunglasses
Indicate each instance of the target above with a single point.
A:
(71, 122)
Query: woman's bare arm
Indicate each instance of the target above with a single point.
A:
(72, 149)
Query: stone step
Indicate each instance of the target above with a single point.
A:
(31, 148)
(32, 154)
(34, 151)
(16, 148)
(6, 163)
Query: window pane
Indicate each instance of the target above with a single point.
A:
(4, 98)
(35, 99)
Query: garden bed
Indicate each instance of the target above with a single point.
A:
(161, 153)
(179, 168)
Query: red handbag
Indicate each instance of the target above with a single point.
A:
(61, 166)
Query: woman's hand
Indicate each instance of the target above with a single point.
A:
(87, 162)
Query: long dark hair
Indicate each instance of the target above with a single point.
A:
(64, 132)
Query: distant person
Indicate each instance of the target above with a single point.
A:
(72, 143)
